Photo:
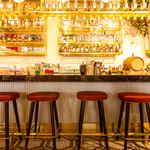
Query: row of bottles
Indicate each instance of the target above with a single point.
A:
(99, 48)
(60, 6)
(24, 23)
(99, 37)
(20, 38)
(89, 22)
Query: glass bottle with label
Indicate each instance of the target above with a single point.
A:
(97, 48)
(74, 49)
(54, 5)
(94, 49)
(14, 38)
(30, 7)
(86, 49)
(89, 7)
(9, 6)
(94, 8)
(126, 5)
(25, 39)
(9, 38)
(1, 6)
(77, 48)
(68, 5)
(101, 5)
(118, 5)
(4, 38)
(144, 5)
(110, 5)
(47, 5)
(20, 39)
(134, 5)
(60, 5)
(84, 6)
(82, 49)
(5, 23)
(26, 23)
(75, 5)
(29, 38)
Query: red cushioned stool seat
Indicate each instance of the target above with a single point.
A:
(134, 97)
(43, 96)
(91, 95)
(8, 96)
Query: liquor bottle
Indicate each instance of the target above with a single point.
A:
(69, 49)
(54, 5)
(47, 6)
(40, 39)
(97, 48)
(9, 6)
(15, 24)
(30, 7)
(118, 5)
(38, 7)
(94, 8)
(0, 22)
(90, 49)
(89, 7)
(35, 39)
(68, 5)
(86, 49)
(77, 49)
(110, 5)
(74, 49)
(30, 23)
(26, 23)
(14, 38)
(20, 39)
(1, 6)
(60, 5)
(25, 38)
(9, 38)
(0, 38)
(22, 23)
(94, 49)
(14, 7)
(29, 38)
(82, 49)
(74, 38)
(144, 5)
(60, 49)
(126, 5)
(26, 7)
(101, 7)
(5, 23)
(75, 6)
(85, 6)
(34, 22)
(4, 38)
(38, 22)
(134, 5)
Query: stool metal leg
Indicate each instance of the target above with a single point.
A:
(7, 124)
(52, 124)
(100, 117)
(120, 118)
(81, 122)
(141, 118)
(29, 123)
(126, 124)
(148, 111)
(100, 103)
(56, 115)
(36, 115)
(17, 117)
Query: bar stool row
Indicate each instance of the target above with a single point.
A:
(84, 96)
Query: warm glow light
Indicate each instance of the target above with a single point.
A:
(106, 17)
(148, 17)
(42, 17)
(3, 17)
(98, 18)
(56, 17)
(76, 17)
(10, 17)
(142, 17)
(113, 18)
(49, 17)
(128, 17)
(120, 17)
(17, 1)
(134, 17)
(84, 17)
(16, 18)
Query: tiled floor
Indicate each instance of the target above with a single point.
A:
(70, 143)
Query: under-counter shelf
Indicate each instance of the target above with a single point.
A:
(116, 43)
(90, 54)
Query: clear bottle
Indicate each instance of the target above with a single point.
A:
(54, 5)
(101, 5)
(29, 38)
(30, 7)
(144, 5)
(47, 5)
(5, 22)
(26, 23)
(89, 7)
(9, 38)
(94, 49)
(34, 23)
(20, 39)
(1, 6)
(60, 5)
(82, 49)
(85, 6)
(68, 5)
(9, 6)
(134, 5)
(97, 48)
(14, 38)
(86, 49)
(38, 7)
(118, 5)
(4, 38)
(94, 6)
(126, 5)
(110, 5)
(75, 5)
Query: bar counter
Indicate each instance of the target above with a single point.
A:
(68, 85)
(75, 78)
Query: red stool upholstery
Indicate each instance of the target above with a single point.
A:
(132, 97)
(92, 96)
(6, 97)
(37, 97)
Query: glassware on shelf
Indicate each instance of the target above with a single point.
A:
(68, 5)
(60, 5)
(84, 6)
(89, 7)
(1, 6)
(29, 38)
(94, 8)
(47, 5)
(144, 5)
(30, 7)
(4, 38)
(20, 38)
(101, 5)
(54, 6)
(9, 6)
(14, 38)
(118, 5)
(9, 38)
(26, 23)
(134, 5)
(126, 5)
(75, 5)
(110, 5)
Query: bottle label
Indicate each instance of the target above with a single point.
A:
(118, 5)
(110, 5)
(53, 6)
(102, 5)
(60, 5)
(47, 6)
(85, 6)
(94, 5)
(144, 5)
(126, 5)
(68, 5)
(135, 5)
(76, 6)
(86, 49)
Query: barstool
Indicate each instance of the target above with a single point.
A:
(37, 97)
(6, 97)
(131, 97)
(92, 96)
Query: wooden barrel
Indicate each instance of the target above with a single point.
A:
(134, 62)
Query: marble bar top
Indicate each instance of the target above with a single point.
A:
(75, 78)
